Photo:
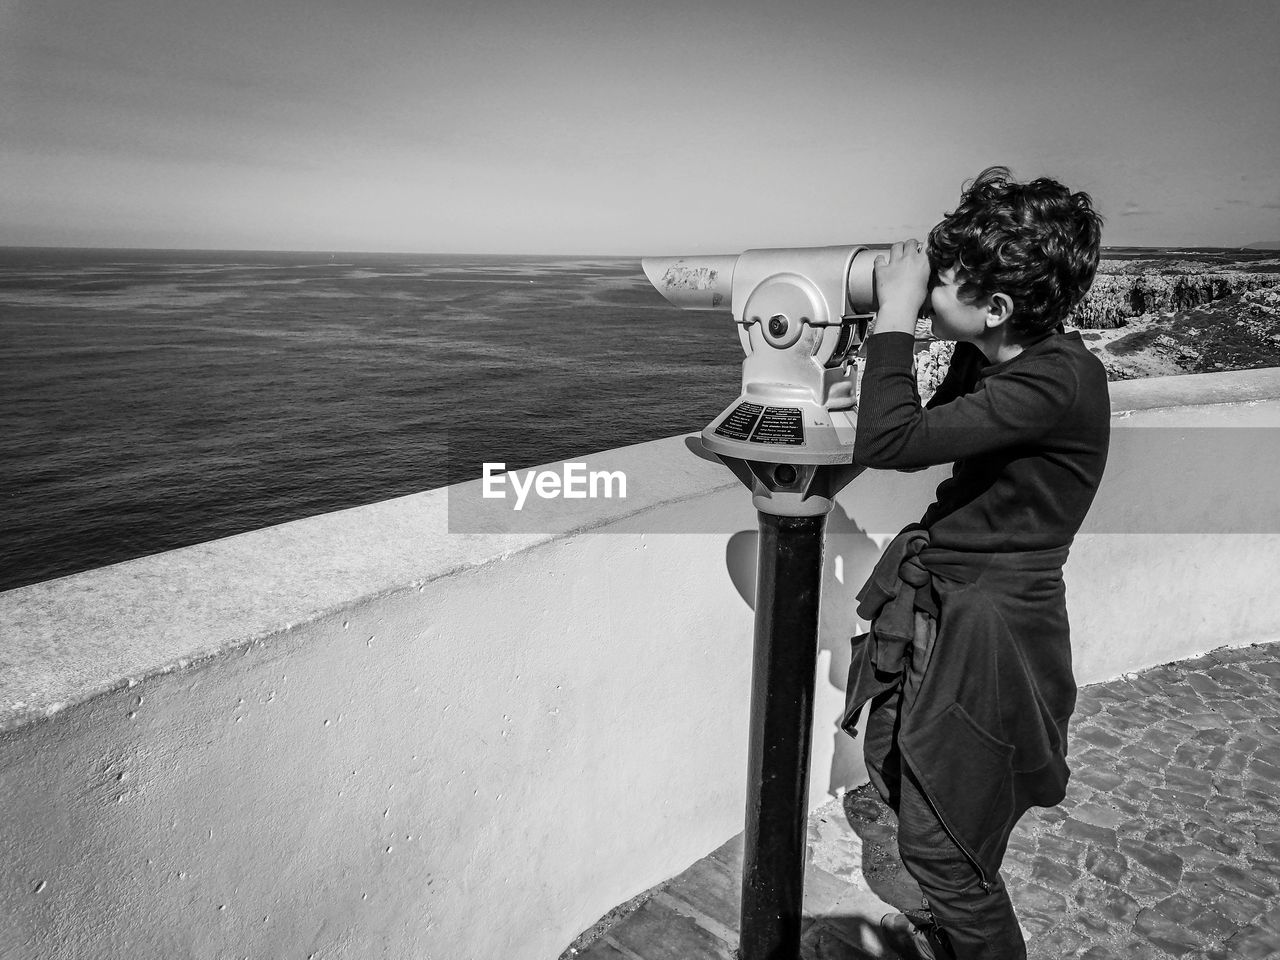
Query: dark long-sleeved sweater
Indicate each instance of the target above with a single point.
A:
(1028, 437)
(986, 733)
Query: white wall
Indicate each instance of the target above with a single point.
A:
(208, 753)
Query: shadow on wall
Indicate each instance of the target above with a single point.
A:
(848, 557)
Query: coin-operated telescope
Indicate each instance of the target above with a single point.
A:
(801, 315)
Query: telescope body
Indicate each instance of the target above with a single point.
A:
(802, 315)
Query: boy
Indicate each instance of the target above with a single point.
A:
(968, 663)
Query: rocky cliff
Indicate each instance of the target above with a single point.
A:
(1117, 297)
(1150, 317)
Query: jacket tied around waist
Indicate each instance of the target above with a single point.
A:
(985, 734)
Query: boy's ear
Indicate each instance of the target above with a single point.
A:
(999, 309)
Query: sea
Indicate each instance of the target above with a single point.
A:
(153, 399)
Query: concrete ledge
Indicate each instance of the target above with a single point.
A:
(365, 736)
(73, 638)
(1195, 389)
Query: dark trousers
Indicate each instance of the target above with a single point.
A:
(979, 922)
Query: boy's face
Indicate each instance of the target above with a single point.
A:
(953, 317)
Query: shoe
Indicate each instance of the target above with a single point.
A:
(912, 942)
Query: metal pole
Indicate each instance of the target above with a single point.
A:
(788, 586)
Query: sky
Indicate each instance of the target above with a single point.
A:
(623, 127)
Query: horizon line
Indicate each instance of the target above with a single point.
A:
(1258, 246)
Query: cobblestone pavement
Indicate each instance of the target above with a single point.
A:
(1168, 844)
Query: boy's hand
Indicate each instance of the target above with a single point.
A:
(903, 279)
(902, 283)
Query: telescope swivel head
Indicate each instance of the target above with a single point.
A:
(802, 313)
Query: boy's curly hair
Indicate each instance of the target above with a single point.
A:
(1036, 242)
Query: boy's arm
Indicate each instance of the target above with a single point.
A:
(1011, 408)
(956, 383)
